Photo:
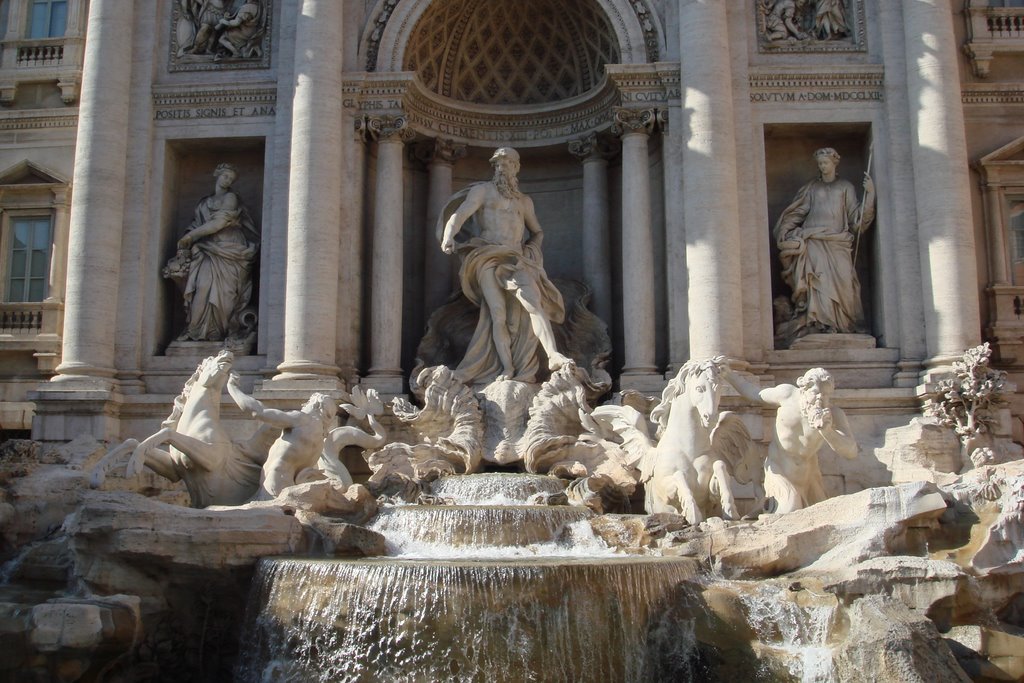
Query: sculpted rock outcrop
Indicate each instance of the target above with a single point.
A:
(445, 436)
(829, 536)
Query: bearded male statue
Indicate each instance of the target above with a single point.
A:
(505, 277)
(804, 421)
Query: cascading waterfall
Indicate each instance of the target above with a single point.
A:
(795, 635)
(475, 592)
(487, 531)
(615, 619)
(495, 488)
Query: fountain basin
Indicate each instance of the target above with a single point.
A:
(617, 619)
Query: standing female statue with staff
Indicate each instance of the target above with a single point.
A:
(816, 235)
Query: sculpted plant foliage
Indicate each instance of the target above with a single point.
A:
(968, 401)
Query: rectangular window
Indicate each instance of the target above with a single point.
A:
(49, 18)
(30, 259)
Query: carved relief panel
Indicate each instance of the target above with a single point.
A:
(810, 25)
(220, 34)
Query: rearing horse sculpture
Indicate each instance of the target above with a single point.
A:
(215, 469)
(690, 469)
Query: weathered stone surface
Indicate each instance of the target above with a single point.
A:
(71, 624)
(343, 539)
(925, 585)
(626, 533)
(987, 653)
(1001, 550)
(831, 535)
(116, 535)
(888, 642)
(354, 504)
(66, 638)
(920, 451)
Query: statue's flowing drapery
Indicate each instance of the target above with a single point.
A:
(481, 363)
(219, 285)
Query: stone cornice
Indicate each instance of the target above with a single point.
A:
(39, 118)
(182, 104)
(436, 117)
(185, 96)
(989, 93)
(646, 85)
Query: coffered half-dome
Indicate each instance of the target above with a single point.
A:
(502, 53)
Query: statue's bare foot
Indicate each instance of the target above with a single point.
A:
(503, 377)
(557, 360)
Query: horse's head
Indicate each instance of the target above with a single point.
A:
(702, 382)
(214, 371)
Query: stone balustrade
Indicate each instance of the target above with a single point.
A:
(992, 30)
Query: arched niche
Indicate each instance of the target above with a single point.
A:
(392, 22)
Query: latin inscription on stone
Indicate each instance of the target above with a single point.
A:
(818, 96)
(232, 112)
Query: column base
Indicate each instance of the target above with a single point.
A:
(306, 370)
(646, 381)
(74, 406)
(388, 386)
(291, 389)
(75, 376)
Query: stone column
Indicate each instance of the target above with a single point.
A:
(314, 212)
(58, 269)
(941, 183)
(350, 260)
(439, 155)
(386, 263)
(675, 238)
(710, 208)
(97, 212)
(594, 152)
(638, 324)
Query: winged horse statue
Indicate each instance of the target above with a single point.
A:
(690, 468)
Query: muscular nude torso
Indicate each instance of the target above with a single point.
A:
(502, 219)
(297, 448)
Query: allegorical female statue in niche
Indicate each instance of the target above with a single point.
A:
(214, 264)
(817, 236)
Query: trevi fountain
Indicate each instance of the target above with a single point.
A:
(592, 401)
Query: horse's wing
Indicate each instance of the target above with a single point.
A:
(630, 426)
(731, 441)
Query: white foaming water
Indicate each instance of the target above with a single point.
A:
(495, 488)
(456, 532)
(578, 540)
(797, 634)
